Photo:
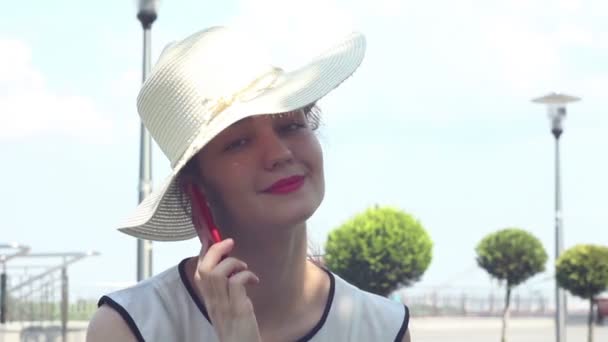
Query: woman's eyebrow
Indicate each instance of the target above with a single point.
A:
(241, 122)
(272, 116)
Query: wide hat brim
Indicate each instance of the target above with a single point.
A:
(163, 215)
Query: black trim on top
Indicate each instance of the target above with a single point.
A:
(404, 325)
(190, 289)
(330, 299)
(124, 314)
(307, 337)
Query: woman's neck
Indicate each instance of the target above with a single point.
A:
(280, 263)
(290, 286)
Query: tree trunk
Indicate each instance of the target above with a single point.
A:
(590, 321)
(505, 315)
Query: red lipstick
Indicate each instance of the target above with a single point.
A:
(286, 185)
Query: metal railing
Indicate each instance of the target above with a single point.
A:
(437, 304)
(37, 295)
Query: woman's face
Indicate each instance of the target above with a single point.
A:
(264, 171)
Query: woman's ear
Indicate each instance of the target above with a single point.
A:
(197, 201)
(185, 185)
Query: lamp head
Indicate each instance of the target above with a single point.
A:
(147, 12)
(556, 109)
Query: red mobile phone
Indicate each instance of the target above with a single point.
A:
(201, 211)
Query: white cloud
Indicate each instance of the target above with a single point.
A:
(387, 8)
(128, 84)
(305, 27)
(572, 35)
(594, 86)
(525, 58)
(15, 66)
(570, 5)
(517, 47)
(534, 44)
(511, 50)
(30, 108)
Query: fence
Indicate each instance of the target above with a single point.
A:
(34, 298)
(436, 303)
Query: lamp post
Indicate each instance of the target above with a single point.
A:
(556, 109)
(146, 14)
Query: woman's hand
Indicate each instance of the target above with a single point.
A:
(221, 282)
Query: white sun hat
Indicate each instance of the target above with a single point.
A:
(203, 84)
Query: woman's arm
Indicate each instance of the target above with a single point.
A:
(108, 325)
(406, 337)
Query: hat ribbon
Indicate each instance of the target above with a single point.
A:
(249, 92)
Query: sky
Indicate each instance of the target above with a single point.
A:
(438, 121)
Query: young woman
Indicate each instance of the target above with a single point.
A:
(247, 175)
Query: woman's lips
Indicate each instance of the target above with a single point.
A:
(286, 185)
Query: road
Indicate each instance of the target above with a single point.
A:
(433, 329)
(436, 329)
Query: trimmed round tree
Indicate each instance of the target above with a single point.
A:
(379, 250)
(511, 255)
(583, 271)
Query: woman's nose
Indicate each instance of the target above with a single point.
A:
(276, 152)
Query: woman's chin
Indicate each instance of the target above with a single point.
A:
(282, 211)
(293, 216)
(291, 212)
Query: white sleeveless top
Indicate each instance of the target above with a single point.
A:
(165, 308)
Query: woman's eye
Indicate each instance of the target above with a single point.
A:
(236, 144)
(294, 126)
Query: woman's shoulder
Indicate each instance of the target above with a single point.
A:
(369, 299)
(108, 325)
(126, 311)
(158, 285)
(372, 312)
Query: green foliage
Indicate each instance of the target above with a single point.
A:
(81, 310)
(512, 255)
(583, 270)
(379, 250)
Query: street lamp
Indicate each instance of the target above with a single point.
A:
(556, 109)
(146, 14)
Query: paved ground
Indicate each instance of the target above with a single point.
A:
(442, 329)
(433, 329)
(50, 331)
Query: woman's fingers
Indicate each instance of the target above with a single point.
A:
(208, 259)
(237, 292)
(228, 267)
(221, 281)
(236, 284)
(214, 271)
